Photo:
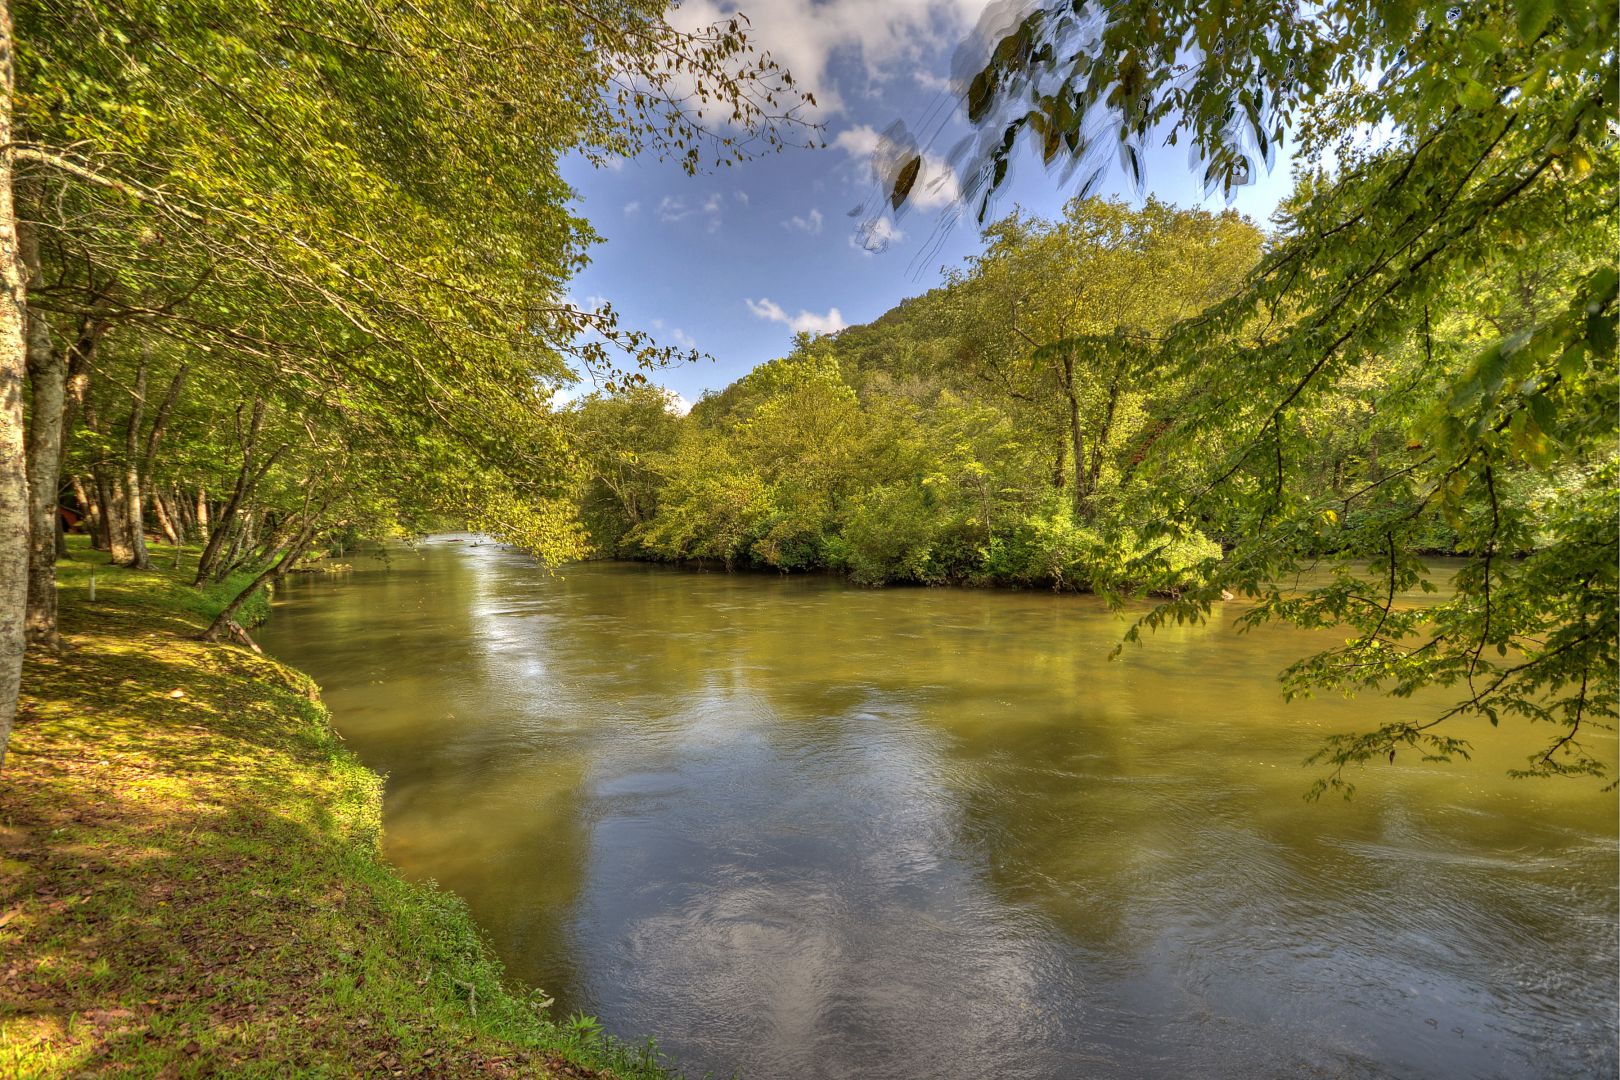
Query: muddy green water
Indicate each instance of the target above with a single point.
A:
(791, 828)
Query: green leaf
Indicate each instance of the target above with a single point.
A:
(1533, 16)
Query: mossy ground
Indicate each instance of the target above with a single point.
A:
(191, 882)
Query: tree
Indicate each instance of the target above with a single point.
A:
(352, 215)
(1061, 309)
(1481, 155)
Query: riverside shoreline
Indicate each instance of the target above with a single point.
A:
(191, 877)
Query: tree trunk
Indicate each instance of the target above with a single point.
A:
(226, 620)
(1077, 440)
(92, 512)
(13, 369)
(134, 512)
(208, 564)
(79, 355)
(1100, 443)
(115, 530)
(233, 553)
(47, 377)
(201, 513)
(165, 520)
(184, 514)
(154, 438)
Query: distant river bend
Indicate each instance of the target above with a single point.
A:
(792, 828)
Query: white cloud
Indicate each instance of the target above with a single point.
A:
(683, 339)
(676, 403)
(804, 36)
(875, 235)
(803, 322)
(858, 142)
(809, 223)
(632, 208)
(673, 209)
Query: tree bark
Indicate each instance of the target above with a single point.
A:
(200, 515)
(165, 520)
(47, 377)
(226, 620)
(77, 380)
(1100, 443)
(1077, 440)
(233, 553)
(114, 529)
(92, 512)
(245, 479)
(134, 505)
(91, 329)
(154, 439)
(13, 370)
(181, 510)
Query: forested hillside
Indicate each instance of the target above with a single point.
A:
(1004, 428)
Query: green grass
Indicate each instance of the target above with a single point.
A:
(191, 880)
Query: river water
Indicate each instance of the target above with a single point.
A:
(792, 828)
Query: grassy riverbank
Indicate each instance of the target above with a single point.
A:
(191, 882)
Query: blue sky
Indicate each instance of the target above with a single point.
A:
(733, 261)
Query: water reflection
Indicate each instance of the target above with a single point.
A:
(791, 828)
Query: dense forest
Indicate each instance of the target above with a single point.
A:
(991, 431)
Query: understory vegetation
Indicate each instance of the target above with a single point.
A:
(194, 886)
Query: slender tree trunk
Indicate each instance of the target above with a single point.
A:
(115, 530)
(79, 355)
(13, 369)
(184, 514)
(233, 553)
(77, 384)
(1100, 443)
(1077, 440)
(134, 505)
(47, 376)
(101, 529)
(201, 514)
(221, 626)
(154, 439)
(165, 521)
(245, 478)
(92, 512)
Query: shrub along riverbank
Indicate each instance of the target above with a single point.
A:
(191, 881)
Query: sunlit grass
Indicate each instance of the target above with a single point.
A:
(191, 881)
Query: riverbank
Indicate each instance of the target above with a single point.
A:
(191, 882)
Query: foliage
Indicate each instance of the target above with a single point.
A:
(1446, 268)
(921, 448)
(338, 235)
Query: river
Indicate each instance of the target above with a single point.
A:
(793, 828)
